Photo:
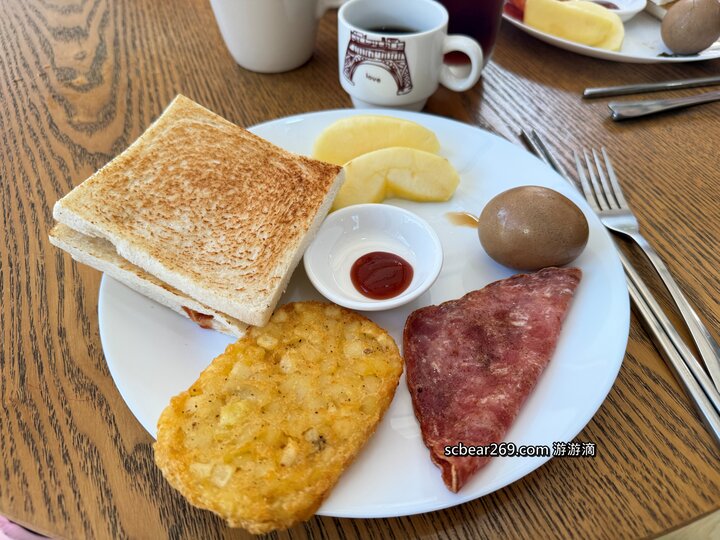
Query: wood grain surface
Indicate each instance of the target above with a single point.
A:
(81, 79)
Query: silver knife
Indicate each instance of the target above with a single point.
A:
(622, 110)
(675, 352)
(704, 404)
(649, 87)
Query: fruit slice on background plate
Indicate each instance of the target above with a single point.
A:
(354, 136)
(397, 172)
(578, 21)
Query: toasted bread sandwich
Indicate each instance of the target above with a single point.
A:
(205, 210)
(101, 255)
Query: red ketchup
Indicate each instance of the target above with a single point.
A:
(380, 275)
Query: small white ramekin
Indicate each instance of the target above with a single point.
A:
(349, 233)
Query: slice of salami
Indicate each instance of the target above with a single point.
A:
(471, 363)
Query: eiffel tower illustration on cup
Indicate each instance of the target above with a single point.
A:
(387, 53)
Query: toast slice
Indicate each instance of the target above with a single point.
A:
(101, 255)
(208, 208)
(269, 427)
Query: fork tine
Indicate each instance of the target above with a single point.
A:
(605, 186)
(587, 190)
(597, 189)
(617, 190)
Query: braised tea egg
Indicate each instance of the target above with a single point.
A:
(532, 227)
(691, 26)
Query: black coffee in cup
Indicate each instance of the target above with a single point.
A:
(391, 29)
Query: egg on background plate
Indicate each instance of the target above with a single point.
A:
(691, 26)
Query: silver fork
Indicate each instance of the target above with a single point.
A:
(677, 355)
(605, 196)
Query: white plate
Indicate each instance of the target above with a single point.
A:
(642, 43)
(154, 354)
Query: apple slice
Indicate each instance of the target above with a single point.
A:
(397, 172)
(579, 21)
(360, 187)
(354, 136)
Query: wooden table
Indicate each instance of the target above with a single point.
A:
(79, 81)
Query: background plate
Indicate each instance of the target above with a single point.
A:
(154, 353)
(642, 43)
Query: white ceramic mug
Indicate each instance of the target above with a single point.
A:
(390, 53)
(270, 36)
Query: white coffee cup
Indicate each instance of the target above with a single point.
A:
(270, 36)
(383, 66)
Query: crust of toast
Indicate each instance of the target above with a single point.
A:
(207, 207)
(101, 255)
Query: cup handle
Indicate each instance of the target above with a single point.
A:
(471, 48)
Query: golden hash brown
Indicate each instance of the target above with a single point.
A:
(268, 428)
